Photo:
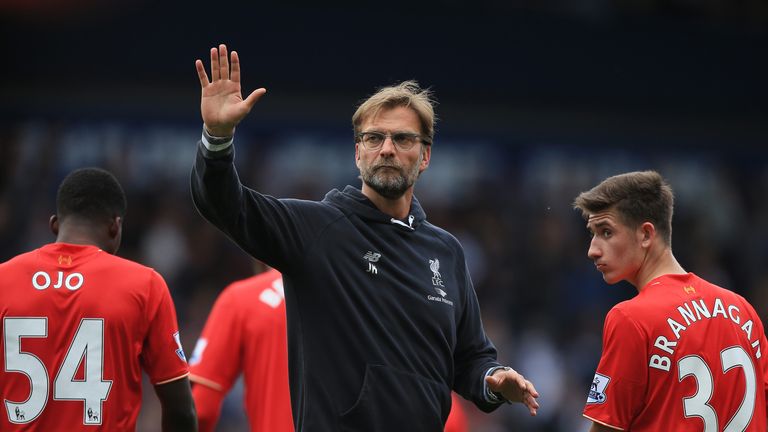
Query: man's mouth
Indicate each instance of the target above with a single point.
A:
(392, 167)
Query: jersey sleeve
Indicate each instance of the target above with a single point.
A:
(208, 406)
(162, 356)
(216, 362)
(618, 389)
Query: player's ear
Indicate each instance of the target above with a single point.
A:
(53, 223)
(115, 233)
(426, 156)
(647, 233)
(115, 227)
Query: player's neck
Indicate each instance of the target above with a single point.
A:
(656, 265)
(397, 208)
(79, 235)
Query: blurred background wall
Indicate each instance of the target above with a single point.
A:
(539, 100)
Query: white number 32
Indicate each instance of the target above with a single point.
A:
(698, 404)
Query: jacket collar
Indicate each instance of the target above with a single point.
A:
(352, 200)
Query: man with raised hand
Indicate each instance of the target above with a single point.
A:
(383, 320)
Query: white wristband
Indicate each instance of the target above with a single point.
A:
(216, 147)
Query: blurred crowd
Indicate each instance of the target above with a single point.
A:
(508, 202)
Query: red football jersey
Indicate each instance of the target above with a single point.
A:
(79, 324)
(246, 332)
(457, 419)
(683, 355)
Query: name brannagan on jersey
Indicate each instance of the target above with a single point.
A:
(691, 313)
(683, 355)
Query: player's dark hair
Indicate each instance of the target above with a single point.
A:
(638, 197)
(92, 194)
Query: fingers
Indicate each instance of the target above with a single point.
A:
(223, 62)
(201, 75)
(235, 67)
(215, 75)
(515, 388)
(529, 398)
(519, 380)
(531, 389)
(531, 404)
(220, 66)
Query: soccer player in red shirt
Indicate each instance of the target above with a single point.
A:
(457, 419)
(79, 324)
(684, 354)
(246, 332)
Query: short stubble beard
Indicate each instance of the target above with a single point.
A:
(391, 185)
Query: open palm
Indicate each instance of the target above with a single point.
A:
(222, 105)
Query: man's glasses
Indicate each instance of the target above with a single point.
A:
(404, 141)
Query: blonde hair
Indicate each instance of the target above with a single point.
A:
(406, 94)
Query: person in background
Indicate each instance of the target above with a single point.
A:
(80, 324)
(245, 333)
(684, 354)
(383, 320)
(457, 418)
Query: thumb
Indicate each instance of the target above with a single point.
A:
(255, 95)
(494, 382)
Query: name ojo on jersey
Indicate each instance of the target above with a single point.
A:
(695, 311)
(72, 281)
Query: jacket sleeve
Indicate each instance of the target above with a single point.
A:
(474, 353)
(269, 229)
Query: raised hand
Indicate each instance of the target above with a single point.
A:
(222, 105)
(515, 388)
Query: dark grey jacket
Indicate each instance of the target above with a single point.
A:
(383, 320)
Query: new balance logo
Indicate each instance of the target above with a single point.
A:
(372, 256)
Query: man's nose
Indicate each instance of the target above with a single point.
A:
(594, 251)
(388, 147)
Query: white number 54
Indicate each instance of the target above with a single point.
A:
(87, 345)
